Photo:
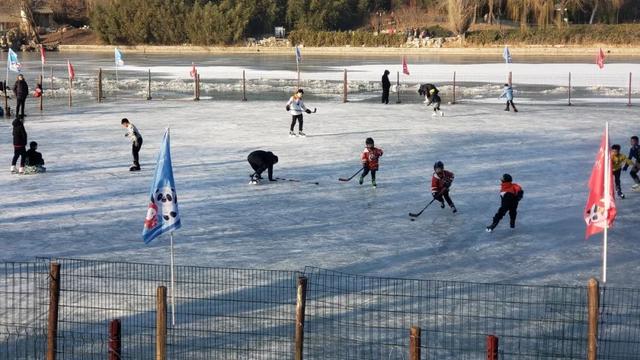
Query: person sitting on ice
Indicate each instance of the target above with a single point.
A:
(510, 195)
(260, 161)
(34, 163)
(426, 90)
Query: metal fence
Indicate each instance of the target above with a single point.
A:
(223, 313)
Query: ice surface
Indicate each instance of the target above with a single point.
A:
(89, 205)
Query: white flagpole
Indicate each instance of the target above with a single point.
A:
(173, 287)
(116, 93)
(607, 200)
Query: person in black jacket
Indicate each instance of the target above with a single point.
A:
(21, 91)
(19, 144)
(260, 161)
(386, 85)
(510, 195)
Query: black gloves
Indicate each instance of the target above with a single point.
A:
(288, 107)
(625, 168)
(434, 194)
(308, 111)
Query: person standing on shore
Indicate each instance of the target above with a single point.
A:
(21, 91)
(386, 85)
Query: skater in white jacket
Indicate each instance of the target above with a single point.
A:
(295, 107)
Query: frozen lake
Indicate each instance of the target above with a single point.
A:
(88, 205)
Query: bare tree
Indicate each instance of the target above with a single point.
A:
(460, 15)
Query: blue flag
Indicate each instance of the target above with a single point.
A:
(162, 212)
(298, 55)
(119, 61)
(12, 62)
(506, 55)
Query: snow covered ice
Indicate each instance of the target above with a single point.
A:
(89, 205)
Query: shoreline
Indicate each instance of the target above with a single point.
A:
(530, 50)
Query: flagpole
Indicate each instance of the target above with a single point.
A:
(607, 200)
(298, 71)
(116, 92)
(173, 287)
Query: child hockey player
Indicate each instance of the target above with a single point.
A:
(260, 161)
(425, 90)
(34, 162)
(295, 107)
(617, 159)
(634, 154)
(369, 158)
(136, 142)
(507, 93)
(510, 194)
(435, 100)
(440, 184)
(19, 144)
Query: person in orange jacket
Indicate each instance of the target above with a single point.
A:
(510, 194)
(369, 158)
(440, 184)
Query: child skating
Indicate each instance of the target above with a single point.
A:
(510, 195)
(435, 102)
(507, 92)
(440, 183)
(136, 142)
(19, 144)
(617, 160)
(634, 153)
(295, 107)
(370, 157)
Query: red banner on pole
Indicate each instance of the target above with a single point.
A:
(600, 210)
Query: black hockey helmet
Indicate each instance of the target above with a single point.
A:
(438, 165)
(369, 141)
(506, 178)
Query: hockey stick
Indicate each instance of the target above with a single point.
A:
(315, 110)
(352, 176)
(299, 181)
(430, 202)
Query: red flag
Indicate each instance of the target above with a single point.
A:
(405, 68)
(43, 58)
(600, 211)
(193, 71)
(600, 59)
(72, 73)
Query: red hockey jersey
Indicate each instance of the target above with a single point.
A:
(370, 157)
(439, 182)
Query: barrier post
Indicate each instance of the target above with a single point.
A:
(414, 343)
(593, 302)
(569, 88)
(244, 86)
(344, 87)
(492, 347)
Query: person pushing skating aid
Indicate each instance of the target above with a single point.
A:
(510, 195)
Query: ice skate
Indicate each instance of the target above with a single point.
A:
(442, 205)
(14, 170)
(434, 114)
(441, 113)
(361, 180)
(134, 168)
(489, 229)
(292, 134)
(301, 134)
(635, 187)
(453, 209)
(373, 183)
(21, 170)
(621, 195)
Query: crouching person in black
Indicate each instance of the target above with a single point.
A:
(510, 194)
(260, 161)
(34, 161)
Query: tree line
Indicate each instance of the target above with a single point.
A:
(213, 22)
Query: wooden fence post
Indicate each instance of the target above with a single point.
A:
(344, 87)
(510, 80)
(454, 88)
(42, 93)
(569, 88)
(54, 298)
(149, 86)
(244, 86)
(414, 343)
(593, 302)
(301, 300)
(115, 348)
(629, 103)
(398, 86)
(52, 81)
(161, 323)
(492, 347)
(100, 85)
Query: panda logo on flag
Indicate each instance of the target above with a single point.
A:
(596, 214)
(163, 208)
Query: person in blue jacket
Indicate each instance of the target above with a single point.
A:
(507, 93)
